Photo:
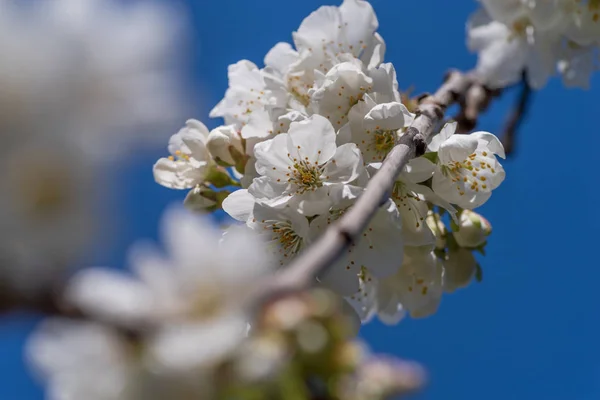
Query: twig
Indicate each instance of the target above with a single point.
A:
(475, 101)
(516, 117)
(301, 272)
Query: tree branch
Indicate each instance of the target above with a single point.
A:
(475, 101)
(322, 254)
(517, 116)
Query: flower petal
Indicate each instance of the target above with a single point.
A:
(311, 140)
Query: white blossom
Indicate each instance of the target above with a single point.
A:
(472, 229)
(537, 37)
(285, 231)
(416, 288)
(302, 164)
(98, 72)
(224, 143)
(246, 94)
(375, 128)
(379, 250)
(190, 160)
(467, 169)
(327, 34)
(195, 299)
(83, 360)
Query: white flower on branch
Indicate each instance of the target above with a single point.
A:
(472, 229)
(324, 36)
(285, 231)
(417, 287)
(301, 165)
(190, 160)
(375, 128)
(379, 250)
(467, 169)
(246, 94)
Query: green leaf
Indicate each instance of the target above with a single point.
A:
(433, 156)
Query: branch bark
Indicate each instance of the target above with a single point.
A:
(322, 254)
(517, 116)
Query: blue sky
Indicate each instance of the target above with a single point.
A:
(531, 328)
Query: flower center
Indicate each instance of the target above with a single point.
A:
(384, 141)
(469, 173)
(306, 176)
(522, 27)
(179, 156)
(288, 241)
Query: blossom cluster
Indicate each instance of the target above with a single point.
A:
(541, 38)
(176, 327)
(303, 136)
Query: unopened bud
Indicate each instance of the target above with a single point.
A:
(225, 144)
(472, 229)
(435, 223)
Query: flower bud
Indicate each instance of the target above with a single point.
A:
(225, 144)
(472, 229)
(435, 223)
(459, 268)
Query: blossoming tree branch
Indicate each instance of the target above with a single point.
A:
(350, 201)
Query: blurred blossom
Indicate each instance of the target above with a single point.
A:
(188, 311)
(82, 83)
(97, 71)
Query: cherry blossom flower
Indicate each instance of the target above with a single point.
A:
(467, 169)
(378, 252)
(472, 229)
(195, 299)
(416, 288)
(300, 166)
(190, 159)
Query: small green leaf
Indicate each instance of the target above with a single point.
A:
(433, 156)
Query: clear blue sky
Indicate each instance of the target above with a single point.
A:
(531, 329)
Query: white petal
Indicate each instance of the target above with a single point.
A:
(112, 296)
(387, 116)
(181, 348)
(360, 23)
(272, 157)
(446, 132)
(322, 24)
(489, 141)
(178, 174)
(345, 166)
(457, 148)
(239, 205)
(280, 57)
(380, 249)
(418, 170)
(312, 140)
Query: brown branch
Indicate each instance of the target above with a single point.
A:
(516, 117)
(322, 254)
(475, 101)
